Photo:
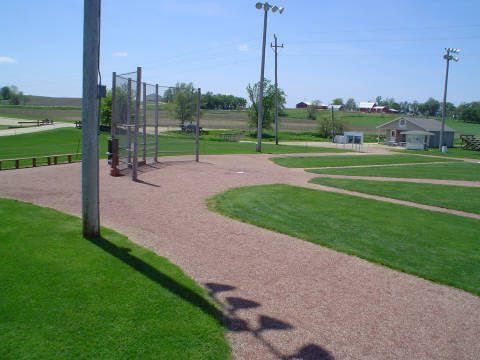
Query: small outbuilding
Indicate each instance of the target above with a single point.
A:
(419, 130)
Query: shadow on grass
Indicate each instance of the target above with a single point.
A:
(160, 278)
(264, 323)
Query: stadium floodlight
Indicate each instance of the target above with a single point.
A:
(447, 58)
(266, 7)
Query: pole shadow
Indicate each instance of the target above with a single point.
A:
(264, 323)
(165, 281)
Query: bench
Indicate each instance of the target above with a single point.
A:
(37, 122)
(232, 137)
(51, 160)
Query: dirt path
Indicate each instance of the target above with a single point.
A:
(27, 129)
(291, 298)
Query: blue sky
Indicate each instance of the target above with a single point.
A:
(357, 49)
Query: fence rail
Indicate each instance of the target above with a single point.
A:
(35, 161)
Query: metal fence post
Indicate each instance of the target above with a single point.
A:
(114, 100)
(137, 117)
(129, 120)
(197, 128)
(144, 151)
(155, 158)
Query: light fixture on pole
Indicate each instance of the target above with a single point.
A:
(265, 7)
(447, 56)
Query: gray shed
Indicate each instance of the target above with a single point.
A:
(395, 131)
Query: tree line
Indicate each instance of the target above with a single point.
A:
(209, 100)
(11, 95)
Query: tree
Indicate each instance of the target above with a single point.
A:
(351, 105)
(106, 110)
(337, 101)
(5, 93)
(430, 107)
(312, 112)
(324, 126)
(415, 107)
(268, 103)
(470, 112)
(183, 107)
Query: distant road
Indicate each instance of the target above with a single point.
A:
(26, 130)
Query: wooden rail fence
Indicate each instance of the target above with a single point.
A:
(35, 161)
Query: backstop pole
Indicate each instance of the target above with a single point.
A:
(155, 158)
(144, 125)
(197, 128)
(91, 52)
(138, 97)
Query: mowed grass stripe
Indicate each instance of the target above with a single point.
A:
(352, 160)
(64, 297)
(451, 197)
(440, 247)
(441, 171)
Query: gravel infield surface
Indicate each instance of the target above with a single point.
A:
(290, 299)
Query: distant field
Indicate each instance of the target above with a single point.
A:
(65, 109)
(451, 197)
(351, 160)
(442, 171)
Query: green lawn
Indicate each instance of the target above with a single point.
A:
(68, 140)
(64, 297)
(451, 197)
(457, 152)
(440, 247)
(442, 171)
(351, 160)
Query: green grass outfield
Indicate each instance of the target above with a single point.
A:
(441, 171)
(64, 297)
(455, 152)
(451, 197)
(439, 247)
(68, 140)
(351, 160)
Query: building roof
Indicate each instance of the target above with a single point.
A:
(335, 107)
(305, 102)
(423, 123)
(366, 105)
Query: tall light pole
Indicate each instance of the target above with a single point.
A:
(91, 52)
(266, 7)
(275, 47)
(447, 56)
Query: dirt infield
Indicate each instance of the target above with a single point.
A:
(290, 298)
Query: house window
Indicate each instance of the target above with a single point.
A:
(403, 122)
(392, 134)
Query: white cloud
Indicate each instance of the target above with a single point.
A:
(7, 60)
(120, 54)
(243, 47)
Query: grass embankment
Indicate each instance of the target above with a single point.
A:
(64, 297)
(352, 160)
(441, 171)
(439, 247)
(446, 196)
